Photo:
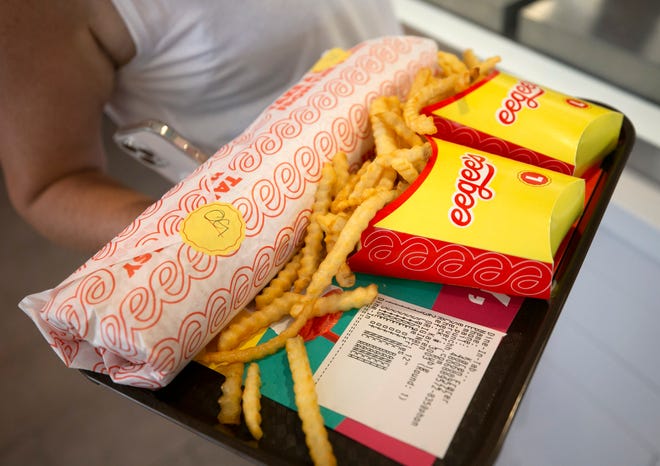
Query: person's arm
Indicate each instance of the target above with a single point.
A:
(54, 81)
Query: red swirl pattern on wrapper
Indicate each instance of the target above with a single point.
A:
(388, 252)
(146, 303)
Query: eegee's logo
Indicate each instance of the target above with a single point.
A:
(522, 94)
(471, 185)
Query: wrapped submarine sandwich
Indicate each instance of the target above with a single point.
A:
(144, 305)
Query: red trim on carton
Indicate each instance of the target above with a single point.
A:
(397, 254)
(454, 132)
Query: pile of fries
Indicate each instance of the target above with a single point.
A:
(345, 202)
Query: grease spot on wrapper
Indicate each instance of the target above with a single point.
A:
(217, 229)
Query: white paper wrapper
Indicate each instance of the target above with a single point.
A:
(145, 304)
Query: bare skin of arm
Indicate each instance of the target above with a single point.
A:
(58, 63)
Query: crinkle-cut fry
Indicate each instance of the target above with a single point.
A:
(379, 104)
(346, 300)
(344, 192)
(479, 69)
(350, 204)
(401, 186)
(487, 66)
(311, 251)
(346, 241)
(342, 171)
(450, 64)
(420, 155)
(236, 320)
(282, 282)
(333, 234)
(325, 189)
(328, 220)
(385, 183)
(417, 156)
(239, 331)
(230, 400)
(267, 348)
(405, 169)
(421, 124)
(470, 59)
(339, 302)
(387, 179)
(323, 195)
(332, 224)
(345, 276)
(309, 412)
(384, 103)
(368, 180)
(385, 141)
(252, 401)
(370, 193)
(395, 121)
(432, 93)
(381, 180)
(421, 79)
(405, 163)
(463, 81)
(385, 138)
(311, 255)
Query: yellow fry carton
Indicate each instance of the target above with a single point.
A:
(475, 219)
(518, 119)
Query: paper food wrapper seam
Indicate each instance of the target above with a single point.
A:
(144, 305)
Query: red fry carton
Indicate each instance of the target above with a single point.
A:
(518, 119)
(144, 305)
(475, 219)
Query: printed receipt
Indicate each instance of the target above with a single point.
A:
(406, 371)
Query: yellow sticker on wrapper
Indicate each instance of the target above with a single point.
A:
(217, 229)
(330, 58)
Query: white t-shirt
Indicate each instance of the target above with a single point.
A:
(209, 67)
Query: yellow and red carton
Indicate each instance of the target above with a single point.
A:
(475, 219)
(504, 186)
(518, 119)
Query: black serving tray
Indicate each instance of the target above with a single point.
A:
(191, 398)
